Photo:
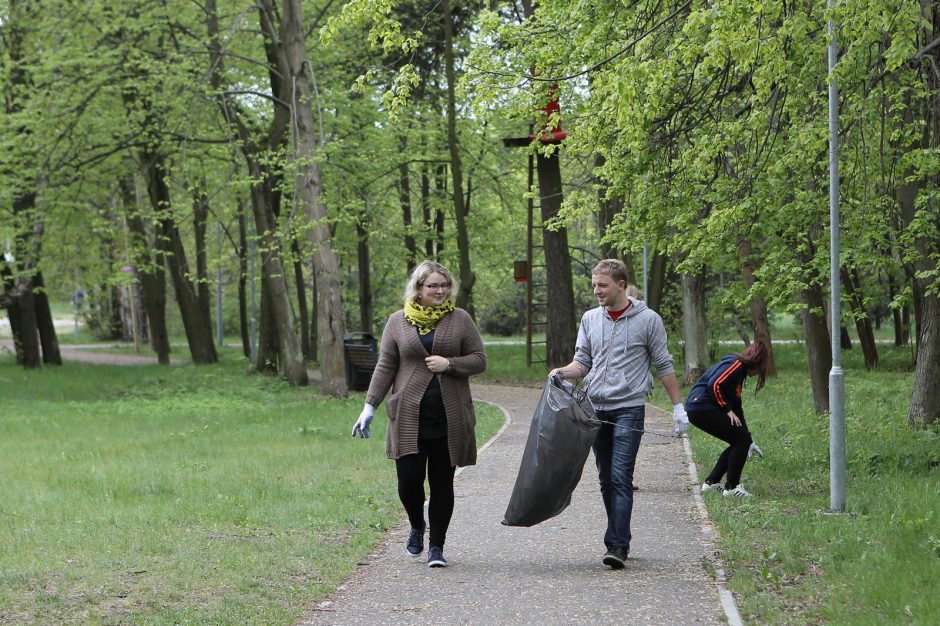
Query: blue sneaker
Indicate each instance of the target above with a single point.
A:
(415, 542)
(436, 557)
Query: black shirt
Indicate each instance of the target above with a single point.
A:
(432, 419)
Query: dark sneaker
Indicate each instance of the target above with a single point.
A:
(436, 557)
(616, 557)
(415, 542)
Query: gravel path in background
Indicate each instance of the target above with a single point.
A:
(91, 353)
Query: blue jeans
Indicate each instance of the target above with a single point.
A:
(615, 450)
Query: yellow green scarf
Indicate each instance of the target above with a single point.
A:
(425, 318)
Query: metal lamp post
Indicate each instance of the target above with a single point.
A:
(837, 464)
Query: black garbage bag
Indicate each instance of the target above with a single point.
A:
(563, 429)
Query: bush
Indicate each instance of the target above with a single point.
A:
(504, 317)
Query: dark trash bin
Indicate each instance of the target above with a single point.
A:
(362, 353)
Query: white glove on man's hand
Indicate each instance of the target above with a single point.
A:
(754, 450)
(362, 424)
(680, 418)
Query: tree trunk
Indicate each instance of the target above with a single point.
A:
(760, 321)
(243, 323)
(467, 277)
(114, 315)
(426, 213)
(47, 335)
(267, 356)
(331, 318)
(818, 346)
(561, 331)
(404, 198)
(924, 409)
(863, 325)
(22, 315)
(26, 332)
(315, 297)
(440, 186)
(196, 321)
(366, 311)
(200, 224)
(150, 271)
(303, 311)
(657, 282)
(925, 400)
(900, 336)
(693, 327)
(278, 345)
(906, 325)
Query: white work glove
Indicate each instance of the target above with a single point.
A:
(754, 450)
(680, 418)
(362, 424)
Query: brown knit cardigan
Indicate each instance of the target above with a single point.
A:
(401, 369)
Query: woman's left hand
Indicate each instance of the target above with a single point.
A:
(437, 364)
(735, 420)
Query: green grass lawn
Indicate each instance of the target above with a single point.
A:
(186, 494)
(205, 495)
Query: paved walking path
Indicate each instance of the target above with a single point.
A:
(550, 573)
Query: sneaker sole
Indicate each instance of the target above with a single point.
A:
(409, 553)
(437, 563)
(613, 562)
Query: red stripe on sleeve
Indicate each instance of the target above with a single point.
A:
(716, 390)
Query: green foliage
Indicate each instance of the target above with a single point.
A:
(712, 123)
(504, 316)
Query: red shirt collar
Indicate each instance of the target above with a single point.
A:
(616, 314)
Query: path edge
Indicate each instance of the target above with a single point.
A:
(710, 533)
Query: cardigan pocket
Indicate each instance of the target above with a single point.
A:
(392, 406)
(471, 416)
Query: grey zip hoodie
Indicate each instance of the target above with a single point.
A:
(618, 355)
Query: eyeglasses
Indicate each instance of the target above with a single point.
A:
(436, 286)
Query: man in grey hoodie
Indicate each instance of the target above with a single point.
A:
(618, 343)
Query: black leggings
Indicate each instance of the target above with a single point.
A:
(434, 457)
(731, 462)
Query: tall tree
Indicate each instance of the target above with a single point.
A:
(20, 273)
(331, 327)
(919, 202)
(146, 254)
(467, 277)
(258, 146)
